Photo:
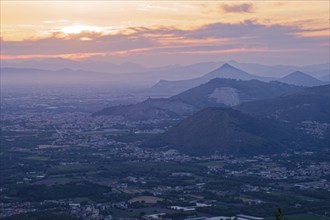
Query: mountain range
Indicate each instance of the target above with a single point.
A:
(299, 120)
(72, 76)
(225, 71)
(171, 79)
(192, 70)
(215, 93)
(53, 64)
(315, 70)
(230, 72)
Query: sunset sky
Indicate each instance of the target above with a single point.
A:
(154, 33)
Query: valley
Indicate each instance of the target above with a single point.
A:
(58, 160)
(164, 110)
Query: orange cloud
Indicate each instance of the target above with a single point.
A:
(216, 38)
(71, 56)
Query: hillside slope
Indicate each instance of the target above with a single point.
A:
(301, 79)
(215, 93)
(221, 130)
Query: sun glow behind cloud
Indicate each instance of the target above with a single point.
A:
(76, 29)
(30, 19)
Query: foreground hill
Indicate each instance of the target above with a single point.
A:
(215, 93)
(222, 130)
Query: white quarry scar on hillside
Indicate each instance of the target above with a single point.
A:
(226, 95)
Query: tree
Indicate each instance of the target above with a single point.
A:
(279, 215)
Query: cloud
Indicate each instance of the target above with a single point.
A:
(55, 21)
(237, 8)
(74, 43)
(167, 43)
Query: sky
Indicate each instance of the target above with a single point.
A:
(158, 33)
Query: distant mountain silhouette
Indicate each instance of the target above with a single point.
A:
(176, 78)
(315, 70)
(225, 71)
(229, 72)
(63, 74)
(301, 79)
(83, 65)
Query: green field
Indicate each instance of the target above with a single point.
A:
(72, 168)
(39, 158)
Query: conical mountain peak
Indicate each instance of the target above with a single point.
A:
(228, 71)
(298, 73)
(227, 66)
(301, 79)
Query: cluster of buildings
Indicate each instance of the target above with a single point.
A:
(278, 167)
(15, 208)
